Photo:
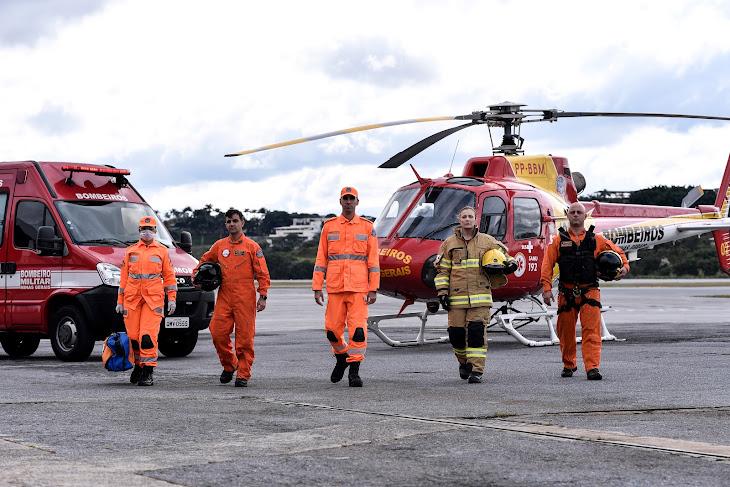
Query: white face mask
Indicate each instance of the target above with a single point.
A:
(146, 234)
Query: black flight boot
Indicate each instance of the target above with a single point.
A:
(146, 379)
(340, 367)
(594, 374)
(464, 371)
(568, 372)
(475, 378)
(353, 375)
(136, 374)
(226, 376)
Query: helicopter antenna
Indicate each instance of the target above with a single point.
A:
(491, 141)
(453, 156)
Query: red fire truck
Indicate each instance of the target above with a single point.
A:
(64, 230)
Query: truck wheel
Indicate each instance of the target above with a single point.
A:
(19, 345)
(71, 338)
(177, 344)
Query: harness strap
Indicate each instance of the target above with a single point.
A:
(570, 296)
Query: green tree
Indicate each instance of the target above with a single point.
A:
(205, 224)
(273, 219)
(655, 195)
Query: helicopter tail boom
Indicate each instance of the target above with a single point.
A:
(722, 237)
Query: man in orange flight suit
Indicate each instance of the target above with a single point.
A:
(241, 261)
(146, 275)
(348, 257)
(575, 251)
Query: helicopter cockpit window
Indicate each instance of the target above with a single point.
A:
(494, 217)
(392, 212)
(527, 218)
(434, 216)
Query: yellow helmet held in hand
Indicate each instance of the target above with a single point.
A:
(496, 262)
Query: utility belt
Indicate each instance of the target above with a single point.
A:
(571, 294)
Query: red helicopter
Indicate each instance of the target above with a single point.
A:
(521, 200)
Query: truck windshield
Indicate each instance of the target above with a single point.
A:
(112, 223)
(435, 213)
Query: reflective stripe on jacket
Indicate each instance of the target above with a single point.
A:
(459, 270)
(347, 256)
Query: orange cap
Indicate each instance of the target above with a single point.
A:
(147, 221)
(348, 190)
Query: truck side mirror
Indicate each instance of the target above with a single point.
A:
(47, 243)
(186, 242)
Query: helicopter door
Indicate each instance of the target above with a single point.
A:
(494, 216)
(529, 244)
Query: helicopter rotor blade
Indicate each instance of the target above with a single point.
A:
(551, 114)
(418, 147)
(360, 128)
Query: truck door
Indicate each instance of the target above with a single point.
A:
(7, 181)
(31, 284)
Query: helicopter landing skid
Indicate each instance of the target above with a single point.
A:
(507, 317)
(374, 326)
(511, 319)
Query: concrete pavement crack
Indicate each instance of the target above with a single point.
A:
(668, 445)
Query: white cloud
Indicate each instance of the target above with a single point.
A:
(172, 76)
(305, 190)
(252, 162)
(651, 156)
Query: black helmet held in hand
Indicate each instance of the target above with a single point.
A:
(608, 265)
(209, 276)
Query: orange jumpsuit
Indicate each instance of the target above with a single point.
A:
(348, 257)
(241, 262)
(146, 275)
(590, 316)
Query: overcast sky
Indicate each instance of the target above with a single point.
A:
(166, 88)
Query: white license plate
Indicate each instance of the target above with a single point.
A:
(177, 322)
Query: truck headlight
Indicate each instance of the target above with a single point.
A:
(109, 273)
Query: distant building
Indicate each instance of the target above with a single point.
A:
(308, 228)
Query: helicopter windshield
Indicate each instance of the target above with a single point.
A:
(392, 212)
(434, 216)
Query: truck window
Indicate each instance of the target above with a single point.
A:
(3, 206)
(29, 216)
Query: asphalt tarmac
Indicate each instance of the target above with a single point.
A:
(660, 416)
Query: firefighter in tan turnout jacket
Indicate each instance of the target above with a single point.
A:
(464, 290)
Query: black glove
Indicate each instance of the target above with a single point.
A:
(444, 300)
(510, 266)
